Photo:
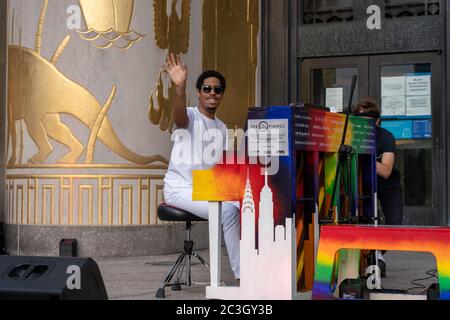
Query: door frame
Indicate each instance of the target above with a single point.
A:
(360, 62)
(439, 136)
(369, 65)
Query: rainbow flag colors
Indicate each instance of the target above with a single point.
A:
(435, 240)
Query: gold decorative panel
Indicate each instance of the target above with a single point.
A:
(108, 23)
(230, 45)
(171, 34)
(39, 94)
(81, 150)
(84, 200)
(162, 114)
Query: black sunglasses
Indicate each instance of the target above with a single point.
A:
(217, 90)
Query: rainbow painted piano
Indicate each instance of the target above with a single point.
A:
(283, 176)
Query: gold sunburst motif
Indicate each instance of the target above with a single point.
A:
(108, 23)
(39, 93)
(171, 33)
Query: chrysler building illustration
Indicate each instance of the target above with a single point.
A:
(266, 265)
(248, 218)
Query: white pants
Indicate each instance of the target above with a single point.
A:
(230, 220)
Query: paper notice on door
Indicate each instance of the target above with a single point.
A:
(418, 85)
(393, 106)
(392, 86)
(418, 105)
(334, 98)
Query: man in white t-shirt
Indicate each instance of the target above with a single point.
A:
(200, 138)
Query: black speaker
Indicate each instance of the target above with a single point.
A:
(50, 278)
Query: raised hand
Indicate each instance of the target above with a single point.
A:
(178, 74)
(176, 70)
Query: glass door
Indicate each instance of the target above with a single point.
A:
(327, 82)
(408, 88)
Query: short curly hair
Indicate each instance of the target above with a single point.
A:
(211, 74)
(369, 107)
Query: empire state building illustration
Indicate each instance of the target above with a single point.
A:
(266, 270)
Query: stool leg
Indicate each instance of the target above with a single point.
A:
(160, 292)
(186, 258)
(189, 251)
(201, 259)
(188, 245)
(189, 283)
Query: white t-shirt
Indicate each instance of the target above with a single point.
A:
(198, 147)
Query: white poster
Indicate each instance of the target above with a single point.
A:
(417, 85)
(268, 137)
(334, 98)
(393, 106)
(418, 105)
(392, 86)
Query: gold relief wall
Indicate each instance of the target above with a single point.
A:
(88, 123)
(171, 33)
(230, 45)
(84, 199)
(39, 94)
(81, 150)
(172, 30)
(108, 23)
(106, 15)
(230, 33)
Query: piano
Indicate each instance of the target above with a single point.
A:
(290, 176)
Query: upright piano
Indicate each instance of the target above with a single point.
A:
(290, 176)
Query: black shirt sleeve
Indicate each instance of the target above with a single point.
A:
(386, 142)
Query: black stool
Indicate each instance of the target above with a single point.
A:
(169, 213)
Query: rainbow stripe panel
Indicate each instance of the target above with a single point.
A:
(310, 131)
(334, 238)
(317, 130)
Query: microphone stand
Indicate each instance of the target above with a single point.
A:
(344, 151)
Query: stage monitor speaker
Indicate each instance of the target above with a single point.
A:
(50, 278)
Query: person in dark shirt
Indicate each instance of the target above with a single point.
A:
(388, 177)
